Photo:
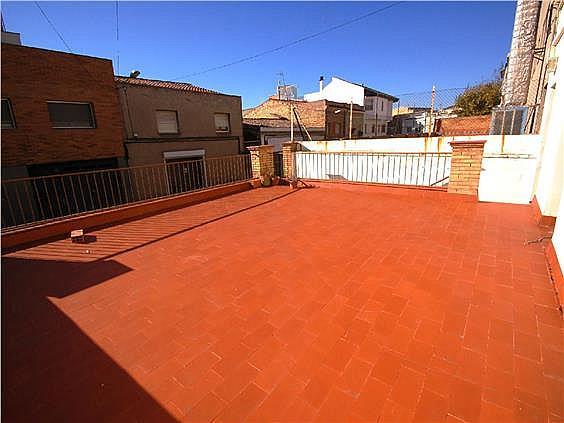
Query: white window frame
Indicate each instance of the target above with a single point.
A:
(90, 106)
(184, 154)
(177, 121)
(220, 131)
(11, 112)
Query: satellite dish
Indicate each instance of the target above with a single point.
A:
(134, 74)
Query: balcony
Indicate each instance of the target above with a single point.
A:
(343, 302)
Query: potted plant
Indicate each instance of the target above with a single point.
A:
(266, 180)
(256, 183)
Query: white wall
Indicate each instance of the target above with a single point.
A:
(507, 178)
(508, 167)
(339, 91)
(496, 144)
(550, 179)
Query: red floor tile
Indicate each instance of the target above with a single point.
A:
(426, 307)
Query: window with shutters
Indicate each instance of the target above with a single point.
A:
(222, 122)
(167, 121)
(8, 120)
(64, 114)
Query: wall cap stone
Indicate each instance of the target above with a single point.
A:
(260, 147)
(468, 144)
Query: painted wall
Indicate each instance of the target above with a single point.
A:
(507, 178)
(508, 167)
(496, 144)
(340, 91)
(196, 124)
(551, 176)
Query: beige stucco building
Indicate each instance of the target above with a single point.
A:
(170, 121)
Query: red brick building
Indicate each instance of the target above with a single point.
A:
(329, 118)
(60, 113)
(470, 125)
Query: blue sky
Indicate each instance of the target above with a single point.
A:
(407, 48)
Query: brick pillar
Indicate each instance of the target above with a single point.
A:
(262, 160)
(288, 158)
(465, 167)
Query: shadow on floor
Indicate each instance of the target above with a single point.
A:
(51, 370)
(129, 236)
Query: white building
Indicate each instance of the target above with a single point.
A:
(377, 105)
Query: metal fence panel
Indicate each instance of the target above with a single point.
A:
(419, 169)
(31, 201)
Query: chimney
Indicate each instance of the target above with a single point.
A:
(321, 83)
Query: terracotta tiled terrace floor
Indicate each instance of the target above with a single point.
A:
(346, 303)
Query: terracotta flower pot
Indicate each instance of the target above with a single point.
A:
(255, 183)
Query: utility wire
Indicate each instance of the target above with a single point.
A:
(292, 43)
(53, 26)
(63, 40)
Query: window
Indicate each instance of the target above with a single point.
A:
(70, 115)
(382, 105)
(373, 129)
(167, 122)
(368, 105)
(221, 122)
(338, 129)
(8, 120)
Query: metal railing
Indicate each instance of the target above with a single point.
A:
(31, 201)
(278, 163)
(418, 169)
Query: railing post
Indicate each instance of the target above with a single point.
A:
(289, 158)
(465, 167)
(262, 160)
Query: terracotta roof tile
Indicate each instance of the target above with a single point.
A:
(267, 122)
(155, 83)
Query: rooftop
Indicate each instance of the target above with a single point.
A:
(281, 122)
(371, 92)
(155, 83)
(340, 302)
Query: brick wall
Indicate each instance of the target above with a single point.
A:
(465, 167)
(31, 77)
(313, 114)
(262, 160)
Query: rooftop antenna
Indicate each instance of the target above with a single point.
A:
(281, 83)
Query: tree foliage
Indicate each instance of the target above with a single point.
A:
(479, 99)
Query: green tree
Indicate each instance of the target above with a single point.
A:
(479, 99)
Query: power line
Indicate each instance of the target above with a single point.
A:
(292, 43)
(53, 26)
(63, 40)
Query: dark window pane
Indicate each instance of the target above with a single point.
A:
(71, 115)
(7, 117)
